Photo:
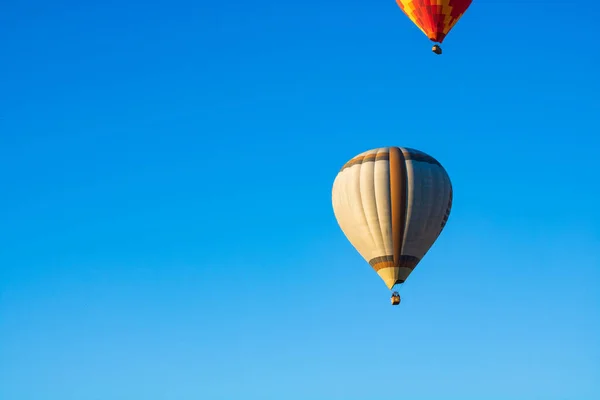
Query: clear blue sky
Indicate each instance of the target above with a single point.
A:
(166, 229)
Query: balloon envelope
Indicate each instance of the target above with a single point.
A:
(392, 203)
(434, 17)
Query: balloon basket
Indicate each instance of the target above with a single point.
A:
(395, 299)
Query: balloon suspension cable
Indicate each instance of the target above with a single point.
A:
(398, 286)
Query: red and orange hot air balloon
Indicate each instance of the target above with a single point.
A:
(434, 17)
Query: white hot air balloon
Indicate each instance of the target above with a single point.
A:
(392, 203)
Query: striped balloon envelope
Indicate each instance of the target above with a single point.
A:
(392, 204)
(434, 17)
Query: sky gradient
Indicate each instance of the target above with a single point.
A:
(166, 229)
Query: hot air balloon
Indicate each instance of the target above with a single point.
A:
(392, 204)
(434, 17)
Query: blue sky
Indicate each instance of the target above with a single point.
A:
(166, 230)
